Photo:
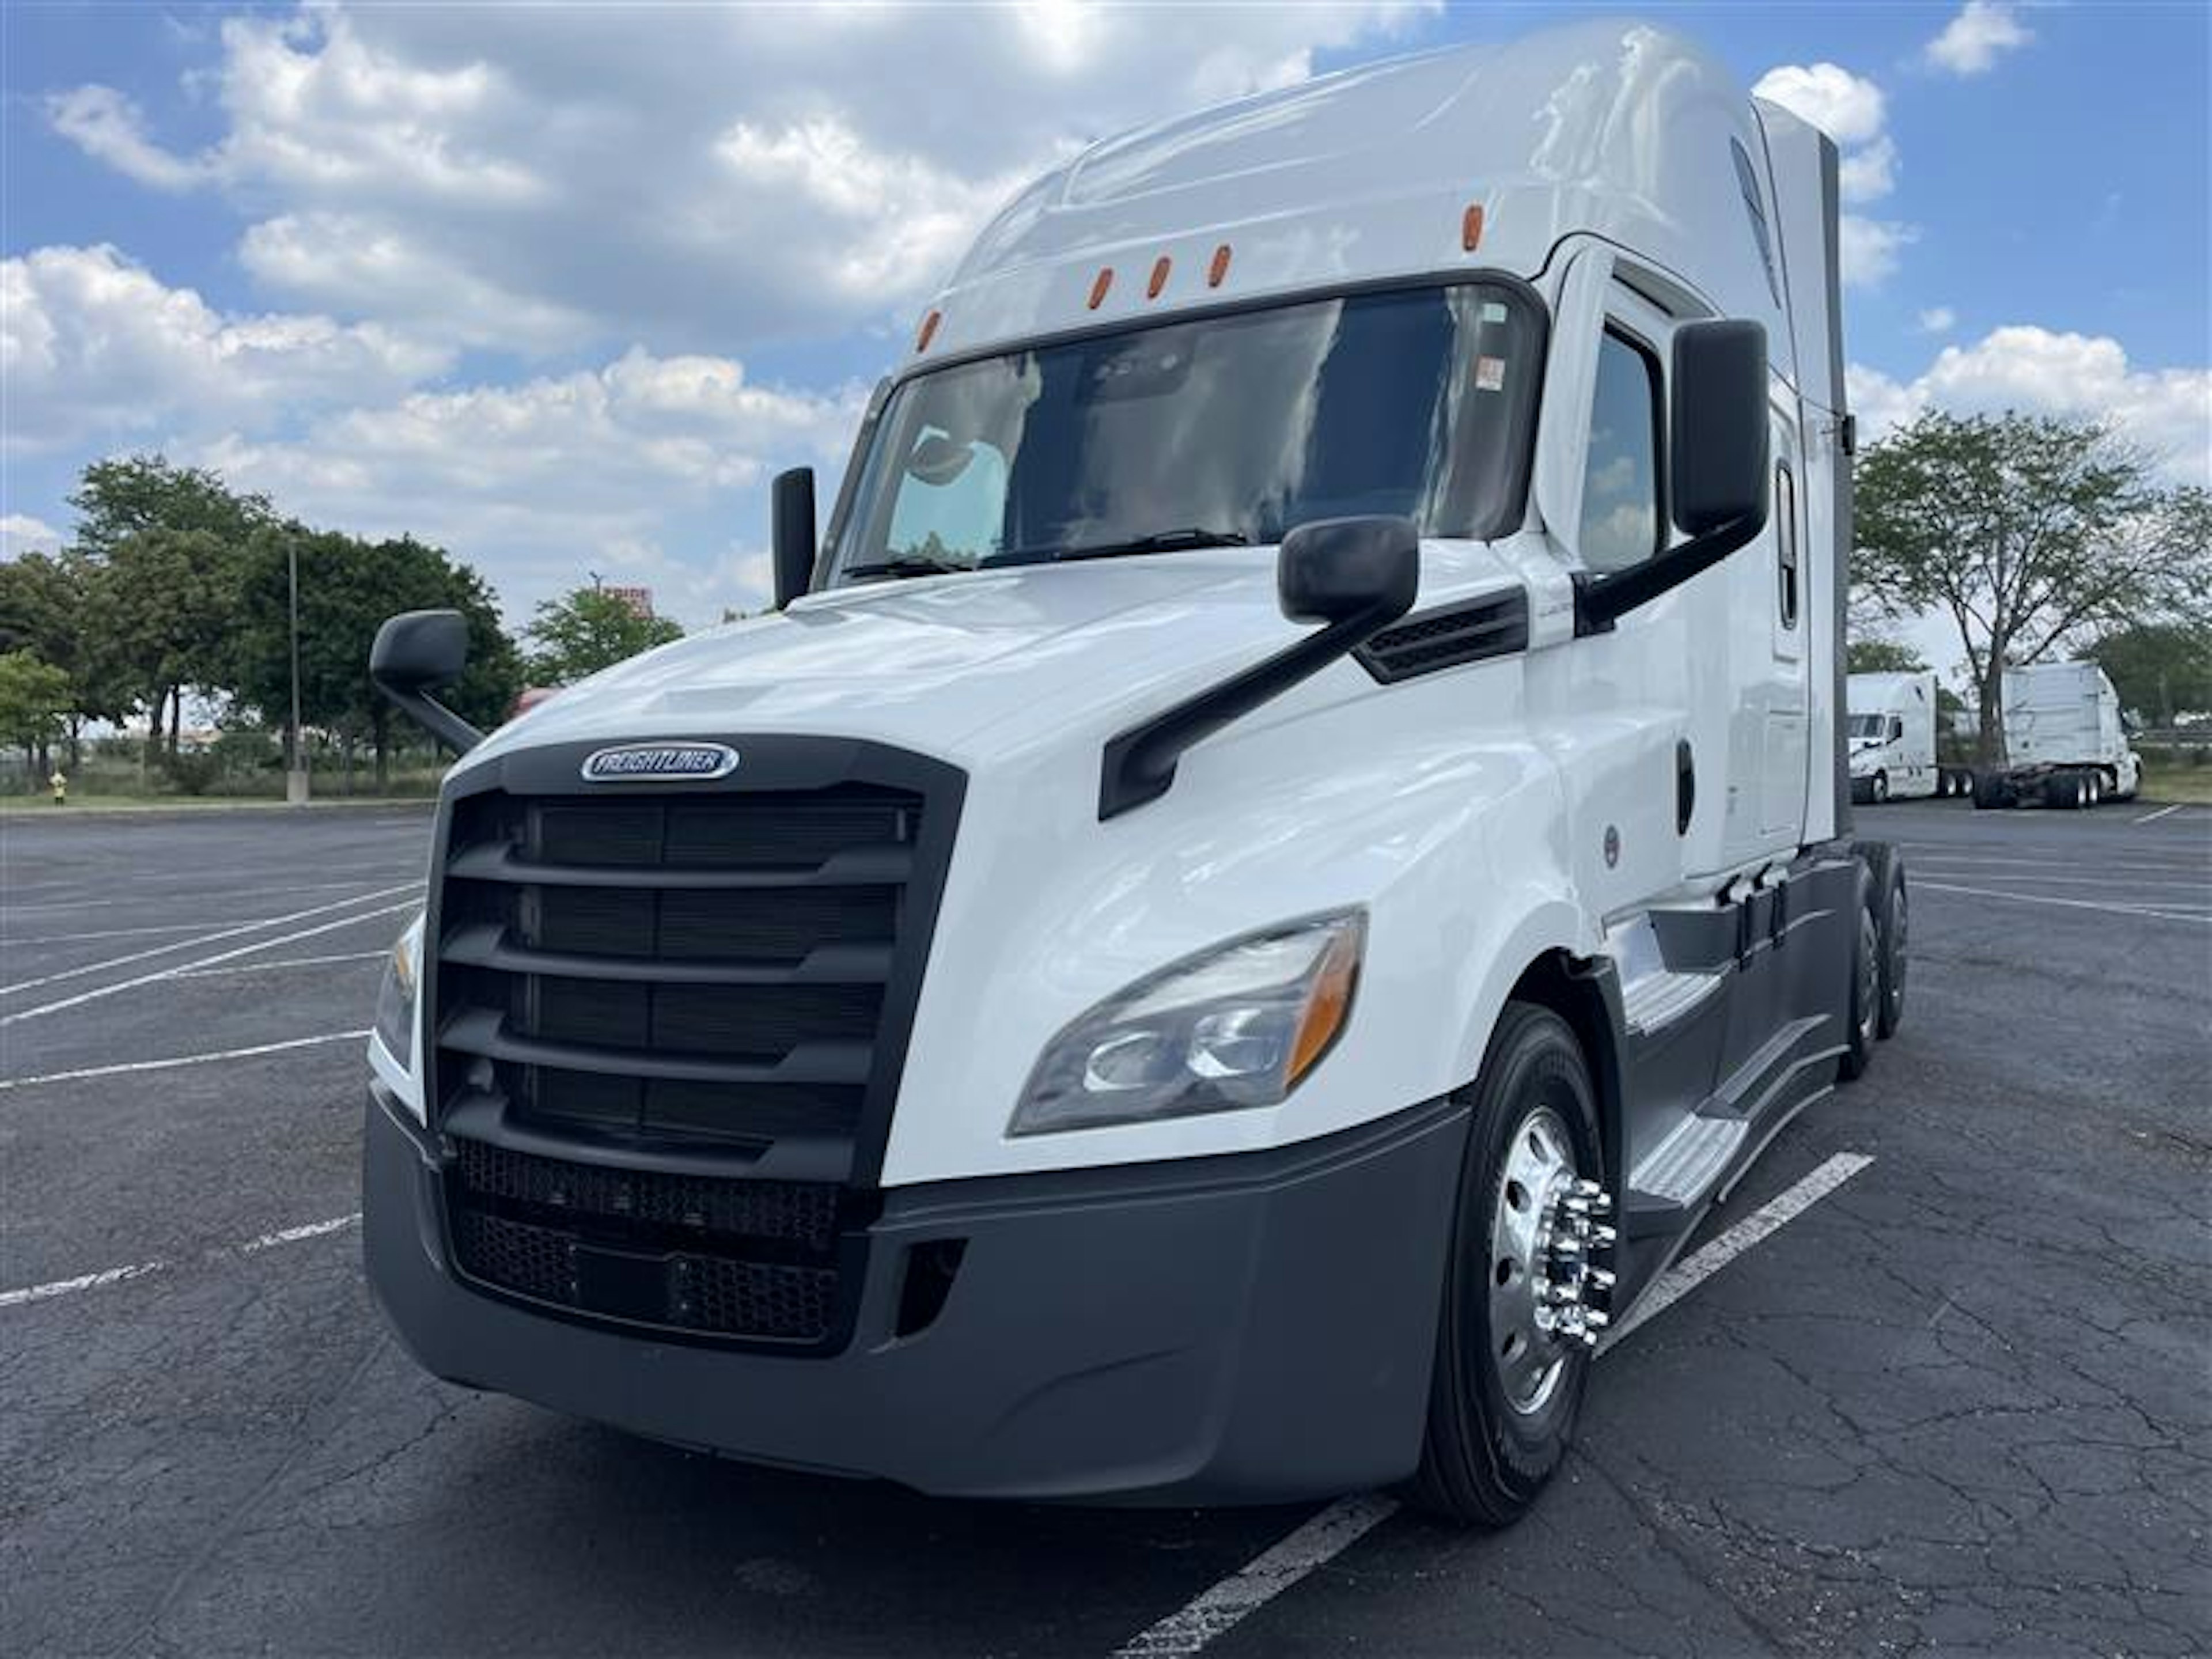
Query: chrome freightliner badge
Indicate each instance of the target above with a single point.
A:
(649, 762)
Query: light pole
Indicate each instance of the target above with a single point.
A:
(296, 775)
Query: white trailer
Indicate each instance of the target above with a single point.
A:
(1891, 727)
(1288, 841)
(2065, 746)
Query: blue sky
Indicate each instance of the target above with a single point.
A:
(560, 288)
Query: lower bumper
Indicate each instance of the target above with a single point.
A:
(1248, 1328)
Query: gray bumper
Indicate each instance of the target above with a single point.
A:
(1248, 1328)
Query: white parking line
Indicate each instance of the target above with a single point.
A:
(2163, 812)
(2062, 903)
(120, 985)
(216, 937)
(122, 1067)
(47, 1292)
(288, 962)
(1345, 1522)
(105, 933)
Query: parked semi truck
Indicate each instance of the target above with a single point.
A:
(2064, 743)
(1890, 724)
(1289, 840)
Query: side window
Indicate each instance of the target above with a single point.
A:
(1620, 487)
(1785, 541)
(951, 501)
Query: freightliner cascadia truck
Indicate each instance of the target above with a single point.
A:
(1889, 721)
(2065, 746)
(1284, 844)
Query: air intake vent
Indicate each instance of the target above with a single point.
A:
(1448, 636)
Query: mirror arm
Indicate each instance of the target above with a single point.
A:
(433, 716)
(1599, 601)
(1140, 763)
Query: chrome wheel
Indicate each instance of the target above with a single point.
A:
(1542, 1237)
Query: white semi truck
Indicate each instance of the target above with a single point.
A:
(1891, 726)
(1288, 841)
(2065, 746)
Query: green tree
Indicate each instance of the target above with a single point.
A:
(160, 607)
(589, 630)
(42, 609)
(130, 495)
(2160, 669)
(348, 587)
(1877, 656)
(2028, 533)
(158, 551)
(34, 705)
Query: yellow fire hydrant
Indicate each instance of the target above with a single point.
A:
(60, 781)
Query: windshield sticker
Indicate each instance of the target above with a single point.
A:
(1490, 374)
(1492, 312)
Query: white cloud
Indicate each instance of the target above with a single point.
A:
(1847, 107)
(613, 469)
(21, 533)
(2041, 371)
(1852, 110)
(1938, 319)
(1972, 42)
(558, 179)
(1870, 248)
(91, 344)
(1869, 172)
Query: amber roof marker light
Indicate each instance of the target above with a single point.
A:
(1160, 269)
(1099, 285)
(1470, 227)
(1219, 269)
(928, 330)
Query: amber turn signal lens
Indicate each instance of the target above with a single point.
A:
(1325, 1009)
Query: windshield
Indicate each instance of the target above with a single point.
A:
(1216, 431)
(1866, 726)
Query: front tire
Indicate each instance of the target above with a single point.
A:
(1881, 788)
(1507, 1380)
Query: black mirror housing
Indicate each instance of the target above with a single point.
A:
(1716, 476)
(1335, 569)
(1719, 421)
(420, 650)
(790, 499)
(415, 653)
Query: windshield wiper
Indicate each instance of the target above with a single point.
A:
(1162, 541)
(907, 564)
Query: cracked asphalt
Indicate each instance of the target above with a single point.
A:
(1963, 1404)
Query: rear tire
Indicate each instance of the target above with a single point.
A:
(2096, 787)
(1862, 1014)
(1989, 791)
(1503, 1395)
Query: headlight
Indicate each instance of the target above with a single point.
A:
(1237, 1026)
(395, 997)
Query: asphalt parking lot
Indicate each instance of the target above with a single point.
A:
(1957, 1400)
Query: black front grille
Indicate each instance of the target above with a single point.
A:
(643, 994)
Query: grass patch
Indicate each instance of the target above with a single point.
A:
(2192, 784)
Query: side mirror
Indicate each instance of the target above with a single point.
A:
(415, 653)
(1358, 575)
(1334, 570)
(790, 499)
(1717, 479)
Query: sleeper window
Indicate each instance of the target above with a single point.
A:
(1620, 490)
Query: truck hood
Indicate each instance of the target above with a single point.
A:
(960, 667)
